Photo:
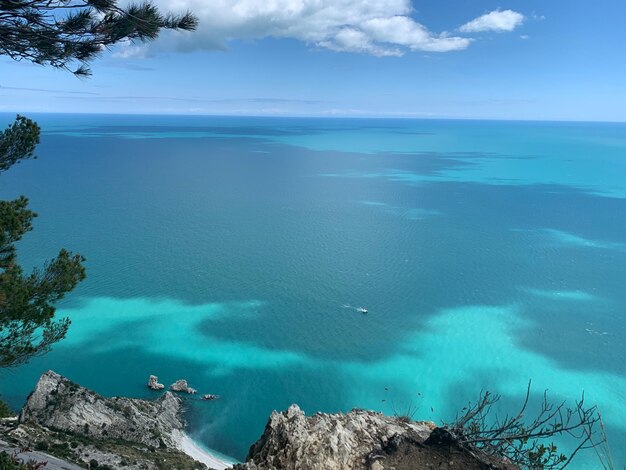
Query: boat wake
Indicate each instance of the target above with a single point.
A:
(358, 309)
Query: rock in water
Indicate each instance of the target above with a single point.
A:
(153, 383)
(210, 396)
(59, 403)
(181, 386)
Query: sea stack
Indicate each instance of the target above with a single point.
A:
(181, 386)
(153, 383)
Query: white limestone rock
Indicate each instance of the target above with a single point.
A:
(328, 442)
(181, 386)
(153, 383)
(59, 403)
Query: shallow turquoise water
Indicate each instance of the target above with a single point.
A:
(232, 252)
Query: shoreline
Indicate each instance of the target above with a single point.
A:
(186, 444)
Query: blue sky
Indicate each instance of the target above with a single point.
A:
(524, 59)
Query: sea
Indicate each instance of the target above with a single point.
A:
(236, 253)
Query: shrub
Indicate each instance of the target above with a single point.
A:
(42, 446)
(5, 410)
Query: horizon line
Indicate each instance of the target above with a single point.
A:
(320, 116)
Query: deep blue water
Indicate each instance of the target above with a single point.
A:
(232, 252)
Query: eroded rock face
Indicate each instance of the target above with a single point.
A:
(359, 440)
(58, 403)
(322, 441)
(59, 411)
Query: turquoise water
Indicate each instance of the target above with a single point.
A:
(233, 252)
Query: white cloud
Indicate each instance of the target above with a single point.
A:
(376, 27)
(497, 20)
(131, 51)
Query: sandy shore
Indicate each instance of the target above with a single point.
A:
(189, 447)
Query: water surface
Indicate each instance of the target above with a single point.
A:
(233, 252)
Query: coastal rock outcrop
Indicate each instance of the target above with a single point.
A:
(80, 426)
(153, 383)
(181, 386)
(61, 404)
(358, 440)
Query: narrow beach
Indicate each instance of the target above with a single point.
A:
(187, 445)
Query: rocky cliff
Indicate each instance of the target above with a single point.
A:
(76, 424)
(359, 440)
(60, 404)
(72, 422)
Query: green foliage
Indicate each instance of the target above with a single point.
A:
(545, 455)
(42, 446)
(5, 410)
(27, 324)
(18, 141)
(8, 462)
(15, 220)
(11, 462)
(62, 32)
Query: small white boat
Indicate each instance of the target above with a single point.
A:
(361, 310)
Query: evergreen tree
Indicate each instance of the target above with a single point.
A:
(65, 34)
(27, 324)
(62, 33)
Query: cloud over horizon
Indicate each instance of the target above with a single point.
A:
(380, 28)
(375, 27)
